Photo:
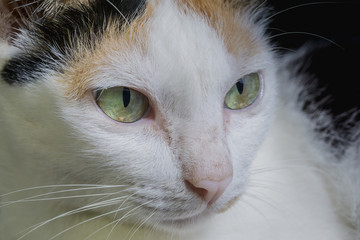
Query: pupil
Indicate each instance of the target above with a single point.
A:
(126, 96)
(240, 86)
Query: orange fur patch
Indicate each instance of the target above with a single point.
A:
(78, 78)
(229, 20)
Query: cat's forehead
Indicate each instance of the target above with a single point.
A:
(170, 44)
(99, 44)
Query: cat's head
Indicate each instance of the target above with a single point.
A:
(168, 99)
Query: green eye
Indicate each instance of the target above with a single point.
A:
(244, 92)
(122, 104)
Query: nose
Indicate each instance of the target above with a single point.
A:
(208, 190)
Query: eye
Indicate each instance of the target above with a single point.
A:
(244, 92)
(122, 104)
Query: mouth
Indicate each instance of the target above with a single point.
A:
(194, 219)
(185, 221)
(229, 205)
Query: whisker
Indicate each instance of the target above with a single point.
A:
(152, 230)
(113, 222)
(256, 195)
(299, 6)
(264, 184)
(118, 10)
(142, 224)
(100, 94)
(125, 216)
(83, 222)
(150, 233)
(104, 197)
(130, 196)
(287, 167)
(255, 10)
(63, 185)
(55, 198)
(257, 210)
(26, 4)
(307, 33)
(98, 230)
(259, 170)
(276, 29)
(283, 48)
(16, 1)
(72, 212)
(35, 198)
(117, 214)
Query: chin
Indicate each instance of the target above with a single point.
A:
(193, 221)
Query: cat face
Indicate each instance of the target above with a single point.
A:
(204, 79)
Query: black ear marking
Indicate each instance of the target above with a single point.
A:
(330, 88)
(56, 39)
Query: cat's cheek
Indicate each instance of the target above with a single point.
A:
(227, 116)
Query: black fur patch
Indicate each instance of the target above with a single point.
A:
(54, 39)
(333, 87)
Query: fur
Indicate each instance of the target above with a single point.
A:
(67, 171)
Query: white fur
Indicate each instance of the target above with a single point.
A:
(48, 139)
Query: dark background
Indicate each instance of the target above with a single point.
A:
(334, 28)
(338, 21)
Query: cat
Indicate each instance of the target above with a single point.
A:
(163, 119)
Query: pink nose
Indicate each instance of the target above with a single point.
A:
(208, 190)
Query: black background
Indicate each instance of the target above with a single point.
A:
(335, 26)
(337, 21)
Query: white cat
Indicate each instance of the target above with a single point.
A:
(164, 119)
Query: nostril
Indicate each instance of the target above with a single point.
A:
(208, 190)
(201, 192)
